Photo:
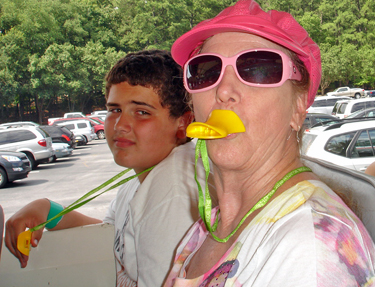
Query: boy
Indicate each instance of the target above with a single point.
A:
(145, 126)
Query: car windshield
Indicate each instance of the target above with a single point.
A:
(96, 121)
(355, 114)
(326, 123)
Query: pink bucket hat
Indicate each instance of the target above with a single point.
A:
(247, 16)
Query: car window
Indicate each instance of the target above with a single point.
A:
(82, 125)
(319, 103)
(306, 122)
(335, 107)
(4, 138)
(339, 144)
(69, 126)
(323, 119)
(65, 130)
(16, 136)
(96, 121)
(341, 108)
(358, 107)
(363, 146)
(331, 102)
(364, 105)
(51, 130)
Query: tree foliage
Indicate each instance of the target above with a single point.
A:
(54, 54)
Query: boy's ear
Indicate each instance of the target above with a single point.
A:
(183, 122)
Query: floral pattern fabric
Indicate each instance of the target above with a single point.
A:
(304, 237)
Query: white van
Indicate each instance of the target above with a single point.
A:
(342, 109)
(325, 104)
(74, 115)
(80, 127)
(99, 113)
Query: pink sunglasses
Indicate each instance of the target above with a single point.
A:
(254, 67)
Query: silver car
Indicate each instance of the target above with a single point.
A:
(31, 140)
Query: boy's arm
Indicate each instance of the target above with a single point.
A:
(32, 215)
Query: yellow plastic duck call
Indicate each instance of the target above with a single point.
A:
(220, 124)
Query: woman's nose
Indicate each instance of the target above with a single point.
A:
(227, 89)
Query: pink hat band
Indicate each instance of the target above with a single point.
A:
(247, 16)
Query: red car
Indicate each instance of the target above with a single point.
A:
(98, 119)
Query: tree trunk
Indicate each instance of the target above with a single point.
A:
(39, 109)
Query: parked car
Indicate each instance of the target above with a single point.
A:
(50, 121)
(32, 141)
(18, 124)
(98, 127)
(98, 119)
(343, 109)
(13, 166)
(79, 127)
(349, 92)
(366, 113)
(61, 150)
(60, 134)
(325, 104)
(74, 115)
(99, 113)
(370, 93)
(80, 140)
(349, 143)
(313, 119)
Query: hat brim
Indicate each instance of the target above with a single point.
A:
(188, 42)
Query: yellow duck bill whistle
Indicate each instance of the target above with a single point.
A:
(24, 242)
(220, 124)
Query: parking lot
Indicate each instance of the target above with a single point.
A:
(66, 180)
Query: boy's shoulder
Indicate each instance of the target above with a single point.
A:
(172, 177)
(180, 156)
(174, 169)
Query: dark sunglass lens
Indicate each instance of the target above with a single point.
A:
(261, 67)
(203, 72)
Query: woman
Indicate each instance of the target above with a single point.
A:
(266, 69)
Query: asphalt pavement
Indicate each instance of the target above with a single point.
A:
(66, 180)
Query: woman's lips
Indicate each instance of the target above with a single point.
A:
(123, 143)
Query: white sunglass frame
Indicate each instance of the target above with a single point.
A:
(290, 71)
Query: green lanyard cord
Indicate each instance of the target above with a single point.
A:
(205, 204)
(84, 199)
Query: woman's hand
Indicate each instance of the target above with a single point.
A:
(29, 216)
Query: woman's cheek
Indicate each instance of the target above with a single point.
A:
(201, 108)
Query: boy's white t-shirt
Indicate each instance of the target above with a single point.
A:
(150, 222)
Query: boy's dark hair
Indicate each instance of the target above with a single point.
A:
(152, 69)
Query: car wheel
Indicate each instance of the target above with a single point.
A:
(85, 141)
(357, 95)
(3, 177)
(52, 159)
(101, 135)
(32, 161)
